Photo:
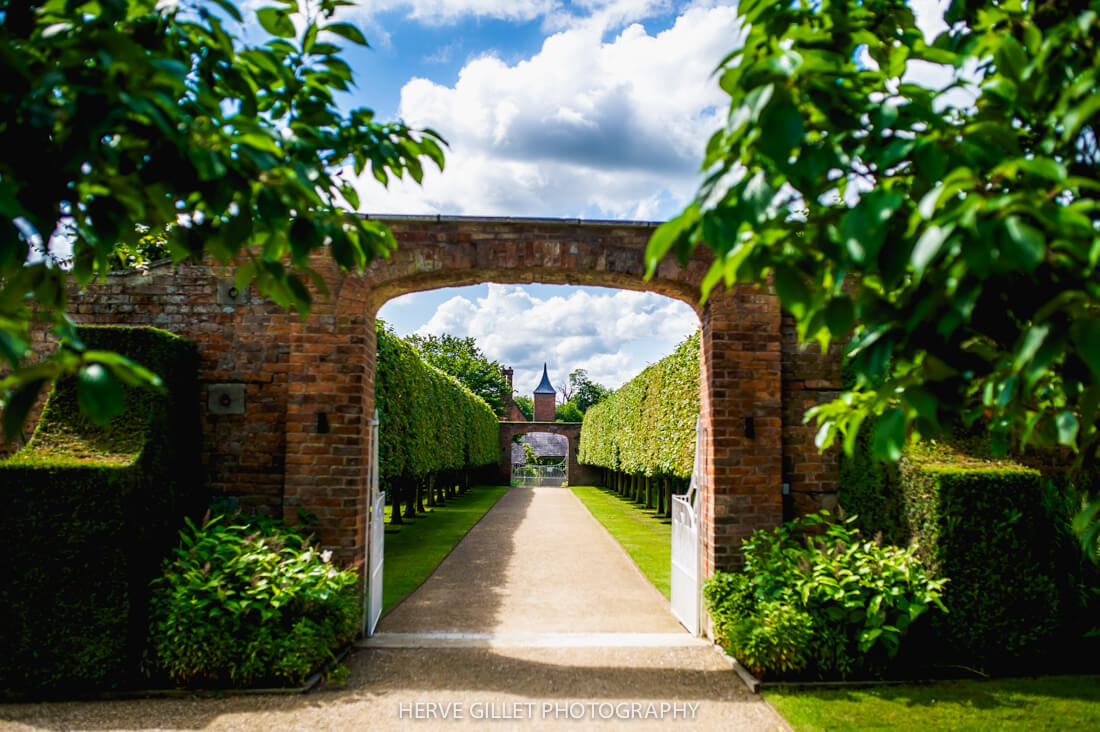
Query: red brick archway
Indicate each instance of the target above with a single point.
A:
(276, 453)
(742, 346)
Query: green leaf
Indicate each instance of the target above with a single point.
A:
(782, 130)
(1067, 425)
(792, 290)
(348, 31)
(928, 246)
(889, 436)
(667, 235)
(18, 406)
(840, 316)
(1086, 338)
(929, 160)
(276, 22)
(1029, 242)
(99, 394)
(1044, 168)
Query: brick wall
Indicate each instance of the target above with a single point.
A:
(281, 454)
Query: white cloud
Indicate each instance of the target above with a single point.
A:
(447, 11)
(928, 15)
(601, 333)
(584, 127)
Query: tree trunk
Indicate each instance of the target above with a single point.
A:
(409, 491)
(395, 502)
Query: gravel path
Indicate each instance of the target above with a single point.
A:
(538, 566)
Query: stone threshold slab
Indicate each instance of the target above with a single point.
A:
(531, 640)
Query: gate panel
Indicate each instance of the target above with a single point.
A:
(375, 534)
(539, 476)
(374, 585)
(685, 580)
(685, 564)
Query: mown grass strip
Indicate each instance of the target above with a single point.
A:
(416, 548)
(646, 536)
(1047, 702)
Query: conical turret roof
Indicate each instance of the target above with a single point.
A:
(544, 386)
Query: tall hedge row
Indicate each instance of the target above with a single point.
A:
(89, 512)
(648, 426)
(429, 421)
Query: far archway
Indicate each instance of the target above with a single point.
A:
(577, 474)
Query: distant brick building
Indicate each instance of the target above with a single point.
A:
(512, 411)
(545, 399)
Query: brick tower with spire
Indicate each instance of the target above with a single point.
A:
(545, 398)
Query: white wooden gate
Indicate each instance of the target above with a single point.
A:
(377, 543)
(686, 604)
(375, 540)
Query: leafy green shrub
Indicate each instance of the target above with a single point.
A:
(243, 602)
(986, 526)
(89, 513)
(815, 597)
(648, 426)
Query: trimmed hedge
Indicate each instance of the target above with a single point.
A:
(648, 426)
(429, 421)
(985, 526)
(89, 513)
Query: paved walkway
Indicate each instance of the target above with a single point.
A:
(537, 619)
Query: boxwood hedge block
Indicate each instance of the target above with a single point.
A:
(984, 526)
(648, 426)
(428, 420)
(89, 514)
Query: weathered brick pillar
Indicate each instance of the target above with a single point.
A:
(329, 403)
(740, 402)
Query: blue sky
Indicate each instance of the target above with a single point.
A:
(595, 109)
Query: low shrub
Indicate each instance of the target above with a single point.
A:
(247, 602)
(816, 599)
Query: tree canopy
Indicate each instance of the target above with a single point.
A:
(130, 116)
(956, 245)
(953, 243)
(462, 359)
(526, 406)
(583, 392)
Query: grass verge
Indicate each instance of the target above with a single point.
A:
(646, 536)
(1046, 702)
(414, 549)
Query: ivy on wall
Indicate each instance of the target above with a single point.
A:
(648, 426)
(429, 421)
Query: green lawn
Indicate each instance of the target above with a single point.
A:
(415, 549)
(645, 536)
(1047, 702)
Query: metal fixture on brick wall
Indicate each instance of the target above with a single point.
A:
(750, 428)
(228, 294)
(322, 423)
(225, 399)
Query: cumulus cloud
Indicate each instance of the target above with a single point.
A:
(586, 127)
(613, 335)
